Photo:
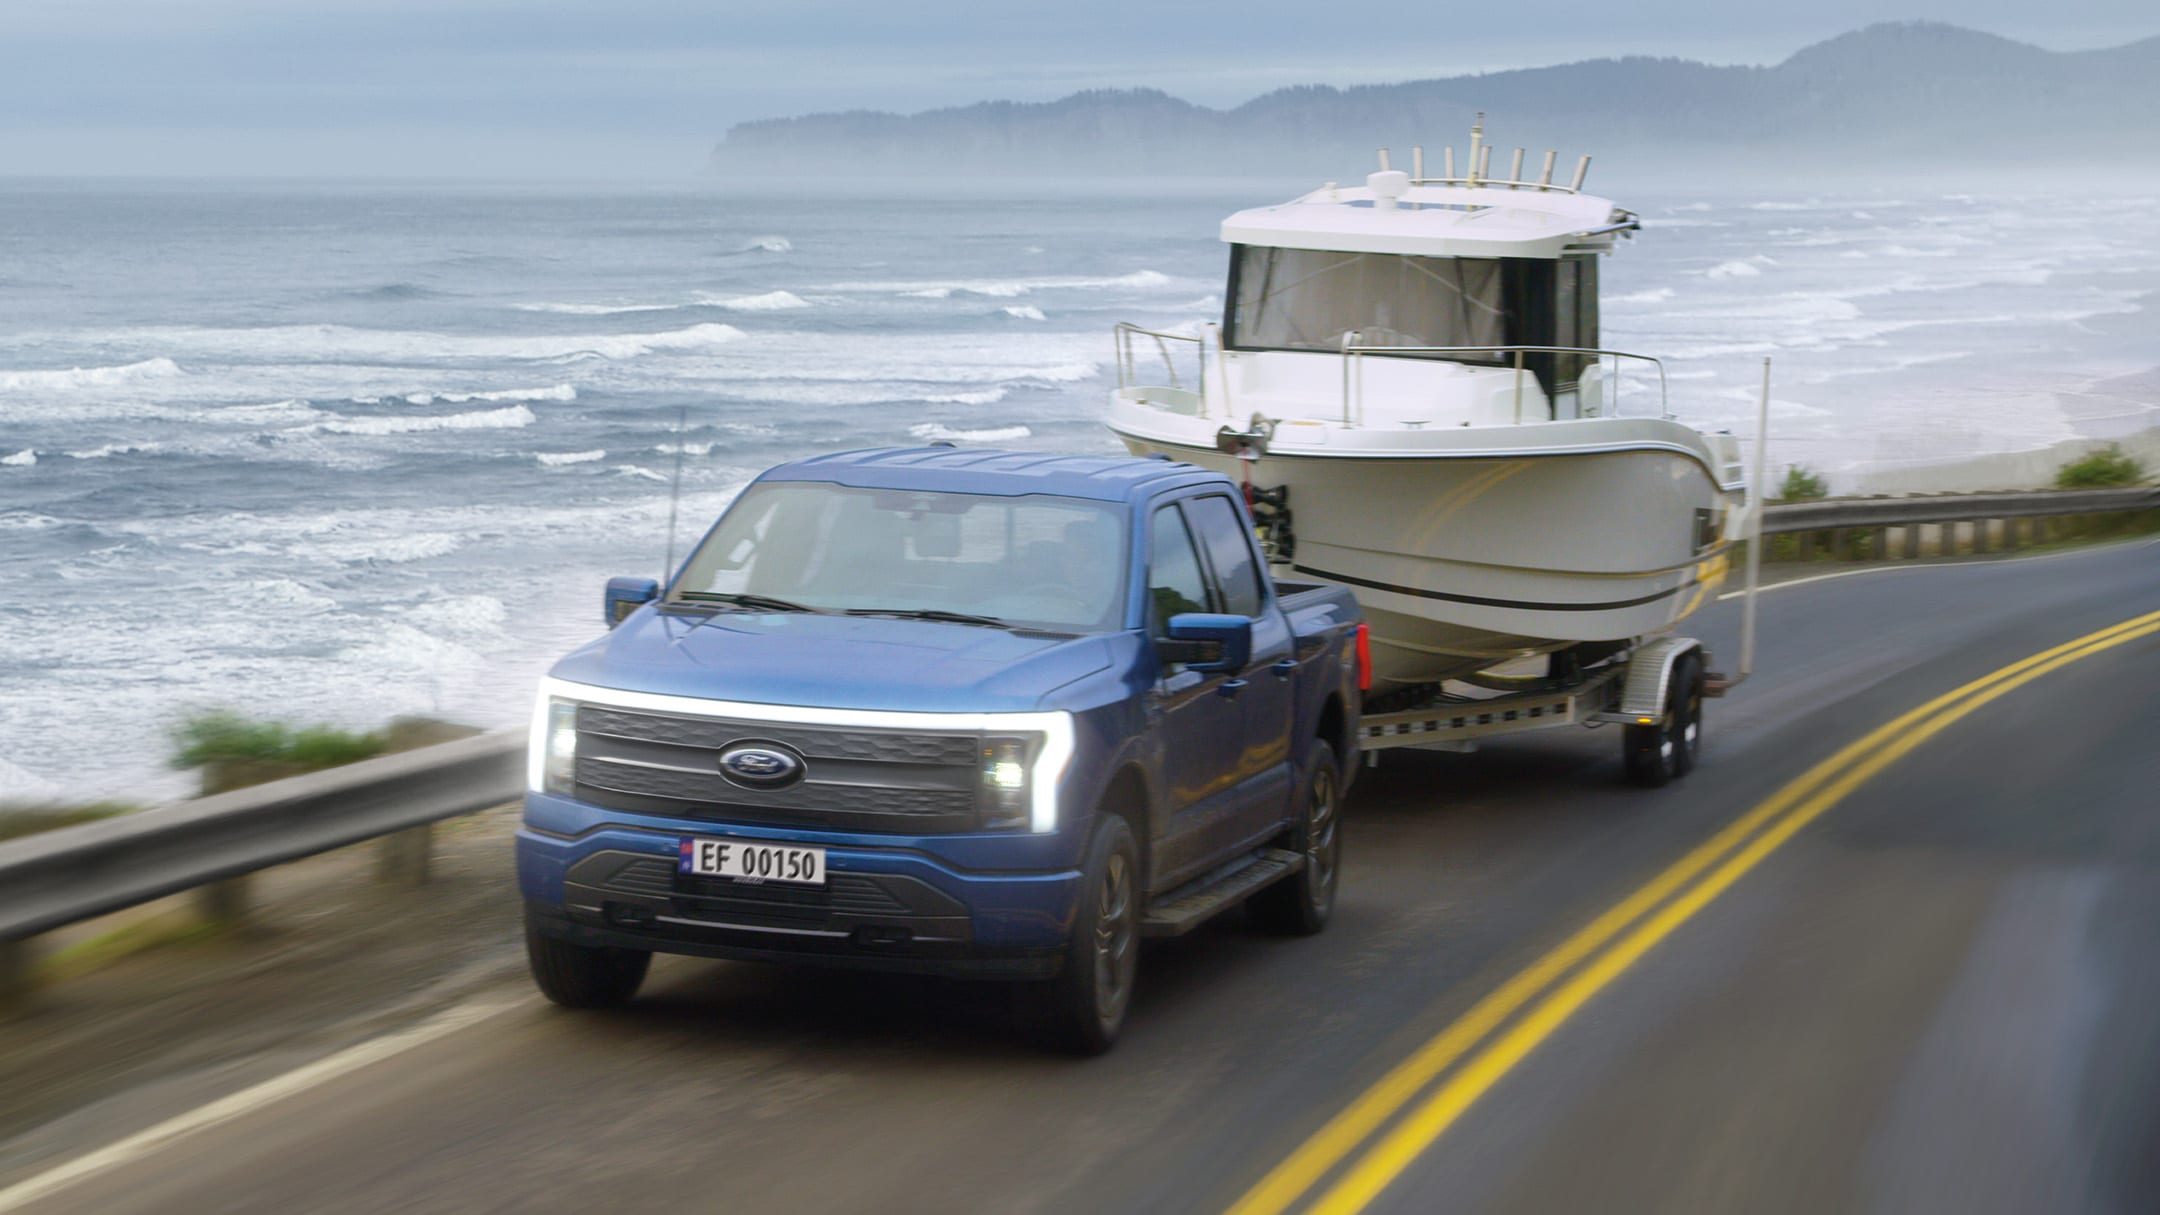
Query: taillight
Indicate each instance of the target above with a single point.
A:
(1364, 657)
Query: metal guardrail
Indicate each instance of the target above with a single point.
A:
(62, 877)
(1783, 518)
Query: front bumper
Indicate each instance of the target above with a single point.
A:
(884, 906)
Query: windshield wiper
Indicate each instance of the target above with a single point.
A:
(937, 614)
(759, 603)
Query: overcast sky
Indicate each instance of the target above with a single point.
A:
(642, 88)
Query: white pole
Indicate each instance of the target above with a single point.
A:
(1759, 490)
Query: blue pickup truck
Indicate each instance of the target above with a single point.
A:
(976, 713)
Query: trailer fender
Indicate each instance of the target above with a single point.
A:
(1649, 675)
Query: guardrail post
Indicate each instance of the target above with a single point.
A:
(1980, 536)
(18, 957)
(1912, 541)
(1807, 546)
(401, 859)
(1840, 543)
(224, 903)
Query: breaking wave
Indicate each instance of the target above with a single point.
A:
(508, 418)
(20, 459)
(556, 459)
(770, 301)
(1025, 312)
(342, 343)
(1003, 288)
(88, 377)
(559, 392)
(767, 244)
(933, 431)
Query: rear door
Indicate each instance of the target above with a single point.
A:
(1197, 724)
(1265, 691)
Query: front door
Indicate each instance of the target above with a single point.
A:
(1199, 724)
(1267, 699)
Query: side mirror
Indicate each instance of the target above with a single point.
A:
(1207, 641)
(626, 595)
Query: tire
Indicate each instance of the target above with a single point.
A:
(584, 976)
(1687, 719)
(1081, 1010)
(1664, 752)
(1299, 905)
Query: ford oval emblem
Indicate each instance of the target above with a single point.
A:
(761, 765)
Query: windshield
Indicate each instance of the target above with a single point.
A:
(1033, 561)
(1307, 299)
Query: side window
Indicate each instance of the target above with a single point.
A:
(1175, 583)
(1230, 551)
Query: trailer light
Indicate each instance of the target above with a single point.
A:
(1646, 721)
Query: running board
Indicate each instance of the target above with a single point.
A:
(1186, 907)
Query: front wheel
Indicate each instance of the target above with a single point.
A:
(1081, 1010)
(1299, 905)
(584, 976)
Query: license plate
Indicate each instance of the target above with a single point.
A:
(755, 863)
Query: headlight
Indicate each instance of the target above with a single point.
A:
(551, 759)
(1005, 797)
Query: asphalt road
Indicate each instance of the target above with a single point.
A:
(1939, 993)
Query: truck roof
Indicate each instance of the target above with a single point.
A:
(978, 470)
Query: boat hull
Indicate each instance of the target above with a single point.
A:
(1464, 561)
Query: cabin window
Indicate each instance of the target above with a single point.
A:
(1308, 299)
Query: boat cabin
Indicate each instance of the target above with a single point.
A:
(1451, 301)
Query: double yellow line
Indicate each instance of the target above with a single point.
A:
(1365, 1147)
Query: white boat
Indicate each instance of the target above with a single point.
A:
(1408, 376)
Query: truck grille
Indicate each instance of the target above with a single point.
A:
(855, 780)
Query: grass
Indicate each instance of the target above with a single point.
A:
(2109, 468)
(223, 736)
(18, 819)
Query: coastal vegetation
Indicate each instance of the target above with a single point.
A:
(223, 736)
(18, 819)
(2109, 468)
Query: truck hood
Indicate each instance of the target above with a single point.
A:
(837, 662)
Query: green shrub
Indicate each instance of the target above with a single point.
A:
(1801, 484)
(2107, 469)
(222, 735)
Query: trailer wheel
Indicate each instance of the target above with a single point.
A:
(1688, 682)
(1663, 752)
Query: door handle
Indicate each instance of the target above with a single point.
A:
(1285, 669)
(1229, 688)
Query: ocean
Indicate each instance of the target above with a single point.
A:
(337, 452)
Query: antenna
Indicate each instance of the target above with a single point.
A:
(1447, 164)
(1417, 162)
(674, 502)
(1383, 160)
(1514, 173)
(1545, 178)
(1582, 170)
(1477, 140)
(1484, 162)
